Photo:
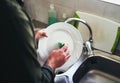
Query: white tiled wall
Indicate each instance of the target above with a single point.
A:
(112, 12)
(91, 6)
(38, 9)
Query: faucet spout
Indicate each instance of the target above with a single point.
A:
(85, 23)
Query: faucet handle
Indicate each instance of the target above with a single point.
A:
(88, 46)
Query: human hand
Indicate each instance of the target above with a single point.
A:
(39, 34)
(58, 57)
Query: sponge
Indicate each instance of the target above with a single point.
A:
(61, 44)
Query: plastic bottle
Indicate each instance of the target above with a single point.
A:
(52, 16)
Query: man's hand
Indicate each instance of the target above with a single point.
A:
(58, 57)
(39, 34)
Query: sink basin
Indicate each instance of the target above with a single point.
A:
(95, 76)
(98, 68)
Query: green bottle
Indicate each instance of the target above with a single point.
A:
(52, 17)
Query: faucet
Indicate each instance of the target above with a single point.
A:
(87, 44)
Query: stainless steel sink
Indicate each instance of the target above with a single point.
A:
(95, 68)
(99, 69)
(95, 76)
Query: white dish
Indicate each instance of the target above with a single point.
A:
(61, 32)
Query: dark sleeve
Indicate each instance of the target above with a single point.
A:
(18, 58)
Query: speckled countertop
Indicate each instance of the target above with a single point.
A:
(39, 24)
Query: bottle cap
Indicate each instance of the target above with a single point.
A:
(51, 6)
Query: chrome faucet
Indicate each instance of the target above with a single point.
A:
(89, 42)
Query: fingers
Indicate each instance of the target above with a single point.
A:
(37, 37)
(66, 52)
(64, 48)
(44, 34)
(39, 34)
(67, 57)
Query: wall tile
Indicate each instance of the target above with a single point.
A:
(37, 9)
(112, 12)
(66, 3)
(30, 7)
(91, 6)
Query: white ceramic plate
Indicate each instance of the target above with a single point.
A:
(61, 32)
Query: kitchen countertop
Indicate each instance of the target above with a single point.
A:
(39, 24)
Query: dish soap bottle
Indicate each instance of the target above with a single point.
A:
(52, 16)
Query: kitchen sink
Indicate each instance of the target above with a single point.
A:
(98, 69)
